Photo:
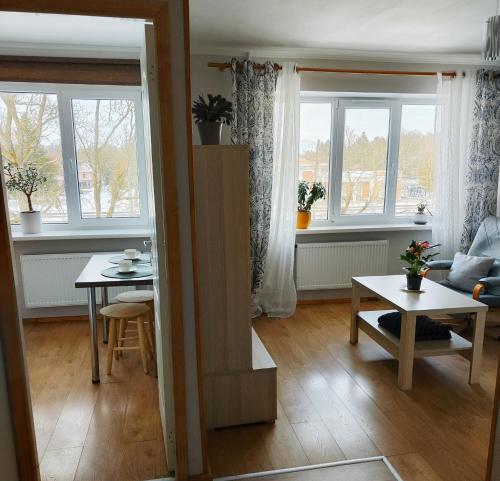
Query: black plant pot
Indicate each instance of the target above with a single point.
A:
(413, 282)
(210, 132)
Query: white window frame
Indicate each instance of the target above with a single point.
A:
(65, 94)
(339, 102)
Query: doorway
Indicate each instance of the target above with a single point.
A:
(129, 413)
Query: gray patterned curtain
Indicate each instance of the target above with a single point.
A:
(482, 171)
(253, 96)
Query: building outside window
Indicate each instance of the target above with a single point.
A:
(374, 155)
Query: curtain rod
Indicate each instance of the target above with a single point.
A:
(223, 66)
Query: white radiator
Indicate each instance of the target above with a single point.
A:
(331, 265)
(49, 280)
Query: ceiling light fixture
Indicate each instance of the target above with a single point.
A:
(492, 41)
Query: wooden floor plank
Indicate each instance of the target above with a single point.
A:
(85, 432)
(317, 442)
(413, 467)
(60, 464)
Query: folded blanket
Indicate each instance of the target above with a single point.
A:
(427, 329)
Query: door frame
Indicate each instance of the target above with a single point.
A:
(11, 335)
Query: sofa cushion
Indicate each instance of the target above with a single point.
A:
(466, 271)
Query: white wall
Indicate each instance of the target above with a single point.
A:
(398, 241)
(63, 247)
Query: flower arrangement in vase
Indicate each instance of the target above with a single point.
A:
(416, 258)
(307, 196)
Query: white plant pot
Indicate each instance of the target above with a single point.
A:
(420, 219)
(31, 222)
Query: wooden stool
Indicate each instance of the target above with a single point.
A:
(143, 297)
(124, 313)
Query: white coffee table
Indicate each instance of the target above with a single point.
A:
(435, 299)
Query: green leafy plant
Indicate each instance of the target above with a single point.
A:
(422, 207)
(414, 256)
(217, 109)
(309, 194)
(27, 179)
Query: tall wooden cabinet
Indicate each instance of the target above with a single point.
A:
(239, 373)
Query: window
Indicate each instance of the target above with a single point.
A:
(106, 157)
(29, 132)
(415, 158)
(88, 142)
(364, 160)
(374, 155)
(314, 159)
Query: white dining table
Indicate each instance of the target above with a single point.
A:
(91, 279)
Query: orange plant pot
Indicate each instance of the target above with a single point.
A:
(303, 220)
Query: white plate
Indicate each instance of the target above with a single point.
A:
(138, 256)
(132, 269)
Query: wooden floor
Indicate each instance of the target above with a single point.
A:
(338, 401)
(105, 432)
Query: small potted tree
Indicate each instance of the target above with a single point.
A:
(307, 196)
(415, 256)
(27, 179)
(210, 116)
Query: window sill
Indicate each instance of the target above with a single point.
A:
(340, 229)
(131, 233)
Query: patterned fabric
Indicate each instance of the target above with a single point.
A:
(482, 171)
(253, 96)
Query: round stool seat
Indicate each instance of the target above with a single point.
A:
(135, 296)
(125, 310)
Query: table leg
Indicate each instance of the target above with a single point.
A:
(477, 347)
(94, 352)
(406, 351)
(105, 322)
(355, 303)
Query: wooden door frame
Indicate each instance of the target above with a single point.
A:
(10, 325)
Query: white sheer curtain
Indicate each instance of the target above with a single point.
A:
(454, 99)
(278, 296)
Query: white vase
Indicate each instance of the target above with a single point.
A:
(420, 218)
(31, 222)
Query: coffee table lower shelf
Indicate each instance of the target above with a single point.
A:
(368, 323)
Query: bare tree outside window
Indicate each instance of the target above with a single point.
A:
(105, 139)
(29, 133)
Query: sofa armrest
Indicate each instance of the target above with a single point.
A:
(439, 265)
(483, 284)
(490, 281)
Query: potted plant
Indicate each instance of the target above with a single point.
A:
(420, 217)
(26, 179)
(209, 116)
(307, 196)
(414, 256)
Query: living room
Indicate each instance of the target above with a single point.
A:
(317, 186)
(376, 116)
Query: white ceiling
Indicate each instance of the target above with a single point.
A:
(60, 33)
(426, 26)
